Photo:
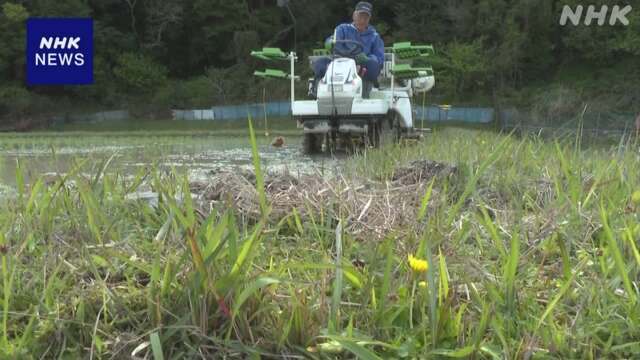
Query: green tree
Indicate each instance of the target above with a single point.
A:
(599, 44)
(59, 8)
(12, 40)
(211, 30)
(139, 73)
(462, 67)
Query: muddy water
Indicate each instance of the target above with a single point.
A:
(199, 157)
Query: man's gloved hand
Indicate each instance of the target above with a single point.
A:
(361, 59)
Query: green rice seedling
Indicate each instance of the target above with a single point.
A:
(473, 180)
(573, 187)
(426, 245)
(20, 182)
(7, 290)
(488, 223)
(510, 272)
(156, 346)
(249, 291)
(334, 322)
(296, 331)
(619, 261)
(580, 131)
(564, 252)
(357, 348)
(443, 279)
(483, 324)
(550, 307)
(631, 240)
(258, 170)
(382, 307)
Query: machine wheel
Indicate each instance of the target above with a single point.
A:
(331, 141)
(373, 135)
(346, 143)
(311, 144)
(385, 132)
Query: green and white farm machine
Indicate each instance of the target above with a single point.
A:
(338, 113)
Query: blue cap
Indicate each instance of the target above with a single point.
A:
(364, 6)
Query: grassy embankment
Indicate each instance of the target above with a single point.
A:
(532, 249)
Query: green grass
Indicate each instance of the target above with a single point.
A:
(532, 251)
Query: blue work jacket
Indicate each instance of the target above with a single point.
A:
(372, 43)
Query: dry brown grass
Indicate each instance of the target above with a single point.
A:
(372, 209)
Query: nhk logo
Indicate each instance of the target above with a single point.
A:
(617, 15)
(59, 51)
(61, 59)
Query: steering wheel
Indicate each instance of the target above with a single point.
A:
(350, 49)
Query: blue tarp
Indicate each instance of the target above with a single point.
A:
(283, 109)
(273, 109)
(460, 114)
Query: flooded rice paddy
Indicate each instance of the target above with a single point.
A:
(199, 156)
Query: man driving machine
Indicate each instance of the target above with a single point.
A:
(370, 59)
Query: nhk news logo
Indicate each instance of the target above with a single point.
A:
(59, 51)
(601, 16)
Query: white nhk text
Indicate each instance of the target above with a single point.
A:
(59, 58)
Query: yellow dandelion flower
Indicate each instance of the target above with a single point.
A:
(418, 265)
(423, 284)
